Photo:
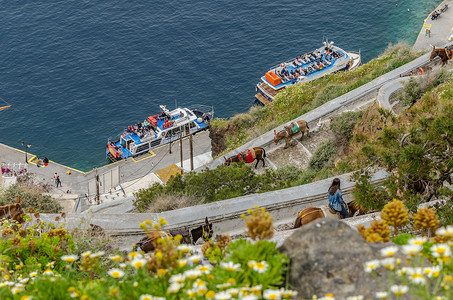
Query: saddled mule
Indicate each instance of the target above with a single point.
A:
(312, 213)
(444, 53)
(248, 156)
(189, 236)
(290, 130)
(12, 212)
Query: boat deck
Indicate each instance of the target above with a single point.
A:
(290, 68)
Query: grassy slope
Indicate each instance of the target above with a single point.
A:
(299, 99)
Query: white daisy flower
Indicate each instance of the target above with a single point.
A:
(48, 272)
(97, 254)
(191, 293)
(389, 251)
(138, 263)
(388, 263)
(234, 292)
(230, 266)
(182, 262)
(359, 297)
(249, 297)
(205, 269)
(192, 274)
(399, 290)
(146, 297)
(174, 288)
(185, 248)
(381, 295)
(402, 271)
(417, 240)
(86, 254)
(251, 264)
(222, 296)
(445, 231)
(16, 290)
(432, 271)
(223, 285)
(115, 273)
(178, 278)
(69, 258)
(288, 293)
(441, 250)
(195, 259)
(412, 249)
(260, 266)
(116, 258)
(133, 255)
(51, 264)
(256, 290)
(24, 280)
(272, 294)
(19, 285)
(122, 265)
(371, 265)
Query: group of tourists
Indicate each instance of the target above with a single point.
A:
(436, 14)
(316, 61)
(140, 129)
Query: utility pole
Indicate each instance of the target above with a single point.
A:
(191, 152)
(180, 144)
(97, 187)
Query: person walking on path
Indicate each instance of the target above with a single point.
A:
(57, 181)
(336, 199)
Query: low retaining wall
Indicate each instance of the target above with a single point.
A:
(225, 215)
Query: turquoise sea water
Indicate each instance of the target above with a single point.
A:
(79, 71)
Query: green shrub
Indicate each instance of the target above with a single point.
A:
(344, 123)
(368, 196)
(411, 92)
(402, 238)
(30, 197)
(325, 151)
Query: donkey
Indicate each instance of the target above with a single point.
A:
(250, 155)
(189, 236)
(443, 53)
(13, 211)
(289, 131)
(312, 213)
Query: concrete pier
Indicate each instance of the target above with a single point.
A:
(440, 28)
(134, 172)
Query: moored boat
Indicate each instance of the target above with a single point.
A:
(305, 68)
(163, 128)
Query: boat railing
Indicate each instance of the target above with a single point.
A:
(203, 108)
(262, 91)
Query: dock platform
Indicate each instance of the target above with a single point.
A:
(133, 169)
(440, 29)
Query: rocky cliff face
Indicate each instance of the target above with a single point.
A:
(327, 256)
(218, 138)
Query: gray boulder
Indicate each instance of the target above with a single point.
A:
(327, 256)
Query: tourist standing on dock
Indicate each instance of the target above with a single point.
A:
(57, 180)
